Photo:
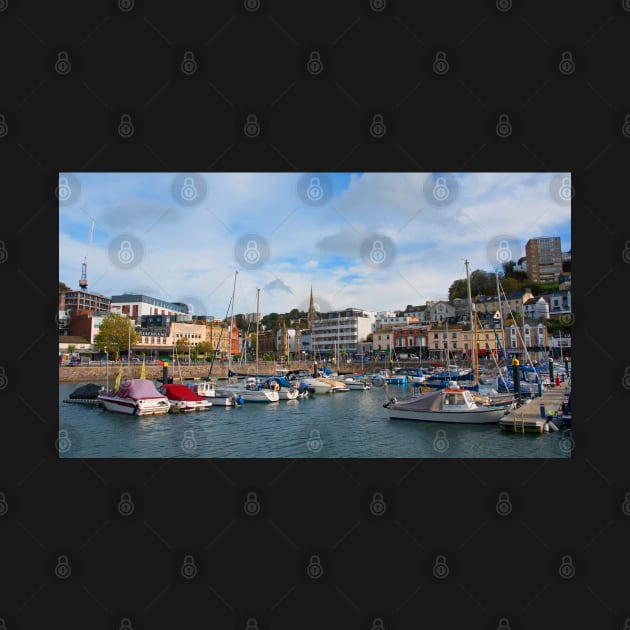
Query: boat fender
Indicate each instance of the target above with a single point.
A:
(552, 426)
(276, 387)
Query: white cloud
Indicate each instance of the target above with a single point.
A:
(189, 250)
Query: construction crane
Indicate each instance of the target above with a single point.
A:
(83, 283)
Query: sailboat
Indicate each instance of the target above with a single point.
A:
(251, 389)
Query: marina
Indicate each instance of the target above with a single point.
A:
(352, 425)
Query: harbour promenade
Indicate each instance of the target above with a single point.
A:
(83, 373)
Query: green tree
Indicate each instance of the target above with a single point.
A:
(115, 333)
(204, 347)
(182, 345)
(63, 287)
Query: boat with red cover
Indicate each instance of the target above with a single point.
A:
(182, 398)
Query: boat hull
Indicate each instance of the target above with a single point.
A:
(130, 407)
(477, 416)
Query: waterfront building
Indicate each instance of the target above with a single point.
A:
(544, 259)
(86, 324)
(536, 308)
(135, 305)
(341, 331)
(530, 334)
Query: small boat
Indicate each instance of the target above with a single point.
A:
(250, 391)
(414, 374)
(453, 404)
(136, 397)
(360, 383)
(335, 385)
(182, 398)
(317, 385)
(86, 394)
(207, 390)
(285, 389)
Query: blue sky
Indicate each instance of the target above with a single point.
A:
(376, 241)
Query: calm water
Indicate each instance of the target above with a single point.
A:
(347, 424)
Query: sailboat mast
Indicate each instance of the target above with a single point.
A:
(230, 326)
(257, 318)
(500, 313)
(473, 327)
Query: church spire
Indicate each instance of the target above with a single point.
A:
(312, 313)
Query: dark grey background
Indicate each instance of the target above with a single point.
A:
(502, 570)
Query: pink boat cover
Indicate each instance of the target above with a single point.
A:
(174, 391)
(137, 388)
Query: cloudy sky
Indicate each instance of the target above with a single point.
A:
(376, 241)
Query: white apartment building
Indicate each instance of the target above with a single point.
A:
(341, 331)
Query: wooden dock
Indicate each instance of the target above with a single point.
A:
(526, 419)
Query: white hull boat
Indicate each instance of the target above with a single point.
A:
(351, 384)
(452, 405)
(207, 391)
(318, 386)
(251, 391)
(136, 397)
(183, 399)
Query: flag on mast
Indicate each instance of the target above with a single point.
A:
(143, 371)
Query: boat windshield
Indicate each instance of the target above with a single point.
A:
(454, 399)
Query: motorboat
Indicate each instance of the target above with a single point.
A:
(136, 397)
(317, 385)
(335, 385)
(453, 404)
(207, 390)
(414, 375)
(286, 390)
(251, 390)
(86, 394)
(360, 383)
(183, 399)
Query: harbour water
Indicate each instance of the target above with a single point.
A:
(340, 425)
